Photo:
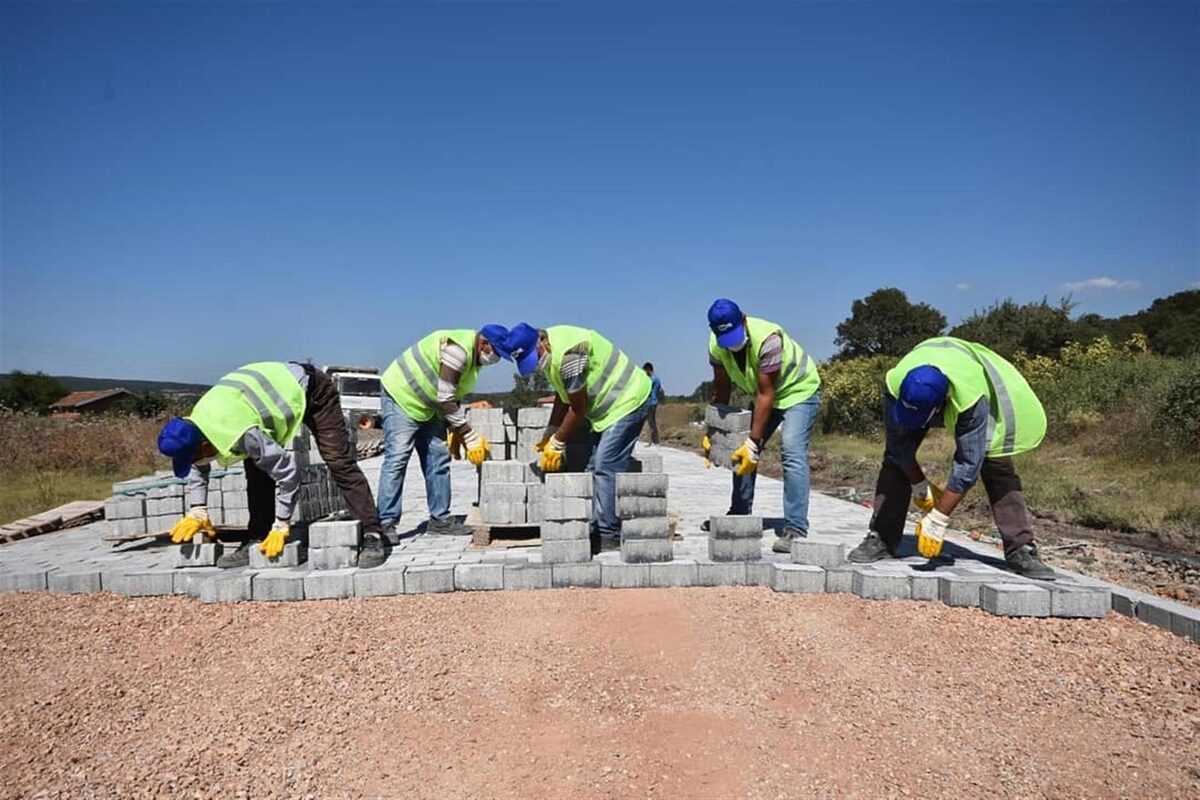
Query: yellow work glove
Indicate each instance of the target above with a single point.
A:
(546, 434)
(194, 521)
(931, 532)
(477, 448)
(745, 458)
(552, 455)
(455, 444)
(926, 496)
(706, 445)
(272, 546)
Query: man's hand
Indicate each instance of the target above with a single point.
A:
(272, 546)
(455, 443)
(194, 521)
(931, 532)
(552, 455)
(546, 434)
(477, 448)
(745, 458)
(706, 445)
(926, 496)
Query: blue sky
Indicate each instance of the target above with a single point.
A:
(185, 187)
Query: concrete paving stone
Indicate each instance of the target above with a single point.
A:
(645, 551)
(278, 585)
(329, 584)
(1124, 603)
(292, 556)
(625, 576)
(227, 588)
(533, 417)
(479, 577)
(633, 506)
(24, 580)
(875, 585)
(960, 590)
(799, 578)
(328, 558)
(1154, 611)
(187, 581)
(384, 581)
(128, 527)
(841, 579)
(528, 576)
(237, 517)
(142, 584)
(124, 507)
(433, 578)
(727, 418)
(925, 586)
(735, 549)
(735, 527)
(673, 574)
(1014, 600)
(561, 509)
(1079, 601)
(232, 500)
(81, 582)
(583, 576)
(1187, 624)
(566, 552)
(818, 553)
(337, 533)
(647, 462)
(570, 530)
(569, 484)
(503, 493)
(732, 573)
(646, 528)
(760, 573)
(497, 512)
(196, 554)
(642, 484)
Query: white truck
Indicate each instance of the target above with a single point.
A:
(359, 388)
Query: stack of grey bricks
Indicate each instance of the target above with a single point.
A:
(531, 423)
(735, 538)
(566, 511)
(510, 494)
(490, 423)
(332, 544)
(645, 463)
(728, 428)
(319, 496)
(645, 526)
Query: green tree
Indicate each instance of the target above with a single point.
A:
(1172, 324)
(528, 388)
(1038, 329)
(30, 392)
(885, 323)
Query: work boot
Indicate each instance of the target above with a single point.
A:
(1025, 562)
(238, 558)
(389, 533)
(783, 542)
(373, 551)
(869, 550)
(447, 526)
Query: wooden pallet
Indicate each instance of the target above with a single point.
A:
(502, 535)
(69, 515)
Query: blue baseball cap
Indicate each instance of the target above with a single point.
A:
(725, 320)
(921, 393)
(495, 336)
(179, 440)
(521, 346)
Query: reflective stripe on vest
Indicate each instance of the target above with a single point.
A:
(1007, 412)
(270, 420)
(601, 408)
(418, 389)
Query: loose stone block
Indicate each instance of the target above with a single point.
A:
(292, 556)
(129, 527)
(505, 472)
(799, 578)
(479, 577)
(500, 512)
(644, 551)
(728, 574)
(840, 579)
(571, 530)
(337, 533)
(569, 484)
(197, 554)
(278, 585)
(329, 584)
(735, 549)
(23, 581)
(385, 581)
(646, 528)
(144, 584)
(925, 586)
(818, 553)
(728, 418)
(673, 574)
(1153, 612)
(73, 582)
(187, 581)
(1079, 601)
(1186, 623)
(633, 506)
(235, 500)
(872, 585)
(237, 517)
(625, 576)
(122, 507)
(527, 576)
(566, 552)
(760, 573)
(435, 578)
(328, 558)
(641, 485)
(1014, 600)
(645, 463)
(534, 417)
(560, 509)
(735, 527)
(576, 575)
(226, 588)
(959, 590)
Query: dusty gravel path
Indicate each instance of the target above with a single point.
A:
(634, 693)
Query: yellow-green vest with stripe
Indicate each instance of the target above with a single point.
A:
(412, 378)
(261, 395)
(974, 372)
(798, 376)
(615, 385)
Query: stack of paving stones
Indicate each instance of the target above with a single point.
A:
(728, 428)
(510, 494)
(491, 423)
(531, 423)
(645, 526)
(735, 538)
(566, 511)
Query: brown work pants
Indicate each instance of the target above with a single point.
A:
(1001, 481)
(322, 416)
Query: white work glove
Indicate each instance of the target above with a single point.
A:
(926, 495)
(931, 533)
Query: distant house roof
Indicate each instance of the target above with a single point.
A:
(80, 400)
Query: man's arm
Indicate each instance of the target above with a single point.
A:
(971, 446)
(197, 485)
(574, 369)
(764, 400)
(575, 411)
(278, 464)
(452, 363)
(900, 444)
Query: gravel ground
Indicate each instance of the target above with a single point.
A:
(634, 693)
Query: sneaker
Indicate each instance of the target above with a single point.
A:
(783, 542)
(447, 526)
(238, 558)
(373, 551)
(1025, 561)
(390, 533)
(869, 550)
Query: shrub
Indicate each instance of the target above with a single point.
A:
(852, 395)
(1177, 413)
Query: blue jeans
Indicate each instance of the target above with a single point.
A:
(610, 455)
(797, 423)
(401, 435)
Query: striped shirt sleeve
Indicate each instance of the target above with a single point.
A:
(452, 362)
(971, 442)
(770, 355)
(575, 368)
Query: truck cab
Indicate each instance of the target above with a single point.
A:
(359, 388)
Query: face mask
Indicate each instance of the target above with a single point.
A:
(737, 348)
(486, 359)
(543, 361)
